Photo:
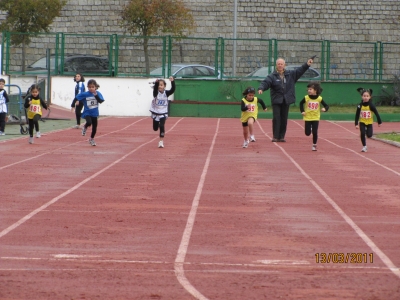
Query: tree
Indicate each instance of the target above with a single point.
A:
(154, 17)
(29, 17)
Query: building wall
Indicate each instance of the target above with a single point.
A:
(265, 19)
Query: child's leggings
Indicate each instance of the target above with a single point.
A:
(78, 112)
(91, 121)
(365, 130)
(2, 121)
(32, 123)
(312, 126)
(160, 124)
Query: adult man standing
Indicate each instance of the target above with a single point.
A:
(282, 88)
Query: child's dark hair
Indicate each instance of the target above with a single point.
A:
(249, 90)
(362, 91)
(34, 87)
(2, 80)
(92, 81)
(316, 86)
(162, 80)
(82, 78)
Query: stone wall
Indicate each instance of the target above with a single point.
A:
(301, 20)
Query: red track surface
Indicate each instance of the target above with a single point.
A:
(202, 218)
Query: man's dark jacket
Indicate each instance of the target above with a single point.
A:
(278, 92)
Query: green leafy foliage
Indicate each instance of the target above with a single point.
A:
(29, 16)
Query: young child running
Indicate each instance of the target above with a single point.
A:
(3, 106)
(34, 104)
(160, 106)
(310, 108)
(90, 101)
(79, 88)
(249, 108)
(365, 116)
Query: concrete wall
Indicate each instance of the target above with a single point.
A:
(123, 96)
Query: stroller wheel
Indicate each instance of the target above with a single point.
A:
(24, 130)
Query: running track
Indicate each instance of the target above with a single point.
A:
(202, 218)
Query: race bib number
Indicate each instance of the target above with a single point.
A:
(252, 107)
(35, 108)
(161, 102)
(313, 105)
(366, 114)
(91, 103)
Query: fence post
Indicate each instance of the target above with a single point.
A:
(328, 58)
(222, 59)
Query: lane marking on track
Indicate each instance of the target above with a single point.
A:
(54, 200)
(182, 251)
(385, 259)
(44, 134)
(260, 264)
(66, 146)
(355, 152)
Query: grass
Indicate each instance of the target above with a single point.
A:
(392, 136)
(351, 109)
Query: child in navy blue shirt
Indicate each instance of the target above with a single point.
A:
(90, 101)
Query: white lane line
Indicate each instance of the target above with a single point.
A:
(349, 221)
(54, 150)
(182, 251)
(54, 200)
(259, 264)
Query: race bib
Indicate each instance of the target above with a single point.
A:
(252, 107)
(313, 105)
(91, 103)
(161, 102)
(365, 114)
(35, 108)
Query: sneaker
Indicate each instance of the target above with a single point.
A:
(245, 144)
(274, 140)
(364, 149)
(314, 148)
(38, 134)
(282, 140)
(2, 133)
(76, 126)
(83, 130)
(160, 144)
(31, 140)
(252, 138)
(92, 142)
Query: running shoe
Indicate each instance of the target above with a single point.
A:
(314, 147)
(160, 144)
(364, 149)
(252, 138)
(83, 130)
(92, 142)
(2, 133)
(245, 144)
(76, 126)
(38, 134)
(31, 140)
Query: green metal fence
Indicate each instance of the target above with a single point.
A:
(156, 56)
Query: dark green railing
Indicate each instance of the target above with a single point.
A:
(230, 58)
